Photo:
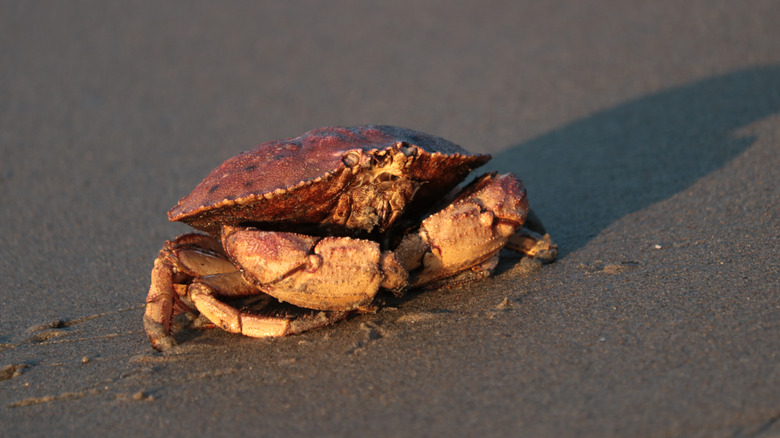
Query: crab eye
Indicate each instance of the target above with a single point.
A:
(406, 148)
(351, 159)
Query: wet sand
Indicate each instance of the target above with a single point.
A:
(648, 135)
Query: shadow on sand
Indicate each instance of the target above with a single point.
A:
(586, 175)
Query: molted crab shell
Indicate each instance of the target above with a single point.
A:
(356, 180)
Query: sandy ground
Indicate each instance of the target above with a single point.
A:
(648, 134)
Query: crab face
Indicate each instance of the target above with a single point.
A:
(315, 226)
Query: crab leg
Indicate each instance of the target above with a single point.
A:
(159, 305)
(534, 245)
(263, 323)
(180, 260)
(533, 241)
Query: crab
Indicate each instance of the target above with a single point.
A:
(306, 231)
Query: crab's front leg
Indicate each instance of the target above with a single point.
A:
(532, 240)
(461, 242)
(180, 262)
(267, 317)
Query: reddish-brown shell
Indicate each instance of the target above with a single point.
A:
(299, 180)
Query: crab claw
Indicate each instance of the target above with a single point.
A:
(192, 274)
(461, 242)
(331, 273)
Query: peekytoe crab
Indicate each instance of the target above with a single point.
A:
(315, 226)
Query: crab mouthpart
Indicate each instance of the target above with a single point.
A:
(380, 192)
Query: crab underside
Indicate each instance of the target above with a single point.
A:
(290, 276)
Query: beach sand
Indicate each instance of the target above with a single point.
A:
(647, 133)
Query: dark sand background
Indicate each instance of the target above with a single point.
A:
(648, 134)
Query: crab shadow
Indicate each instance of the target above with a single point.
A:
(590, 173)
